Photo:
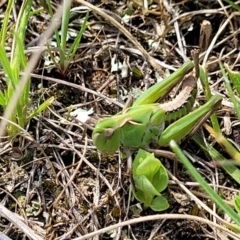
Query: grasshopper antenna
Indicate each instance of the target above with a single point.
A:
(195, 55)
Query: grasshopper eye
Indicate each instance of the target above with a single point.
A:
(108, 133)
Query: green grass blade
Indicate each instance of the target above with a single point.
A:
(204, 80)
(216, 132)
(41, 108)
(3, 100)
(21, 55)
(9, 73)
(234, 5)
(64, 29)
(24, 100)
(230, 91)
(50, 10)
(77, 40)
(21, 32)
(20, 115)
(6, 67)
(234, 77)
(19, 62)
(222, 141)
(4, 27)
(226, 164)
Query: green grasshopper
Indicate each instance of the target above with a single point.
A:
(149, 121)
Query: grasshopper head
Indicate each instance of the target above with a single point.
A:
(105, 137)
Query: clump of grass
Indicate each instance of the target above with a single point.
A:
(18, 62)
(66, 55)
(12, 67)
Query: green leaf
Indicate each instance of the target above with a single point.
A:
(142, 197)
(159, 204)
(146, 164)
(142, 183)
(150, 178)
(148, 167)
(160, 179)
